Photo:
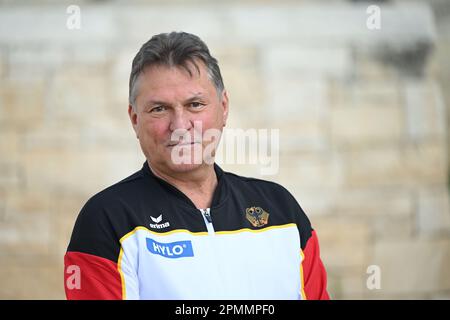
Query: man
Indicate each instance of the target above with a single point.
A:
(181, 228)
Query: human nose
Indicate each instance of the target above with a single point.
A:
(180, 120)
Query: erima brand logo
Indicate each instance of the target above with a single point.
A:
(178, 249)
(157, 220)
(157, 224)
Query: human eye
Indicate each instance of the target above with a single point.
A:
(196, 105)
(157, 109)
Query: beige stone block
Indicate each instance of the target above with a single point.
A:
(412, 165)
(32, 277)
(88, 171)
(11, 174)
(333, 285)
(439, 64)
(425, 110)
(31, 259)
(389, 211)
(353, 286)
(118, 78)
(306, 134)
(21, 104)
(122, 163)
(402, 23)
(366, 124)
(3, 67)
(392, 228)
(64, 227)
(433, 212)
(306, 59)
(95, 56)
(206, 21)
(25, 224)
(376, 94)
(374, 202)
(348, 283)
(344, 243)
(65, 209)
(53, 170)
(292, 98)
(3, 195)
(244, 84)
(315, 201)
(312, 170)
(9, 144)
(384, 92)
(427, 162)
(417, 266)
(77, 95)
(121, 66)
(106, 135)
(52, 137)
(272, 140)
(370, 70)
(31, 61)
(246, 107)
(252, 149)
(383, 166)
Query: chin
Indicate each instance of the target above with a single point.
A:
(183, 167)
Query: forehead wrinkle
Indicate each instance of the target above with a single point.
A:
(194, 96)
(171, 80)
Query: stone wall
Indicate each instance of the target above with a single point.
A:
(362, 117)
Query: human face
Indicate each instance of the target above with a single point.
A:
(170, 101)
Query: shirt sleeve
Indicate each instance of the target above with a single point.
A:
(90, 277)
(312, 270)
(95, 267)
(314, 276)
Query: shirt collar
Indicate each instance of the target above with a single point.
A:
(219, 196)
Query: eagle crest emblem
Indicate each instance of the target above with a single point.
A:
(257, 216)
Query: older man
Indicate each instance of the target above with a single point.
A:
(181, 228)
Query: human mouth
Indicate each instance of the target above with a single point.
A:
(181, 144)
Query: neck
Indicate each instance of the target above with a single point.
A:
(198, 185)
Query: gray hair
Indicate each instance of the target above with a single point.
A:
(174, 49)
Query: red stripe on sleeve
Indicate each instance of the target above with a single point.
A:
(314, 273)
(89, 277)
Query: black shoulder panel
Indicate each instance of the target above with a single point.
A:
(275, 199)
(104, 219)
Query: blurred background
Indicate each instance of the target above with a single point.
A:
(362, 109)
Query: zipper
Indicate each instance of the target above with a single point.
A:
(215, 274)
(206, 214)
